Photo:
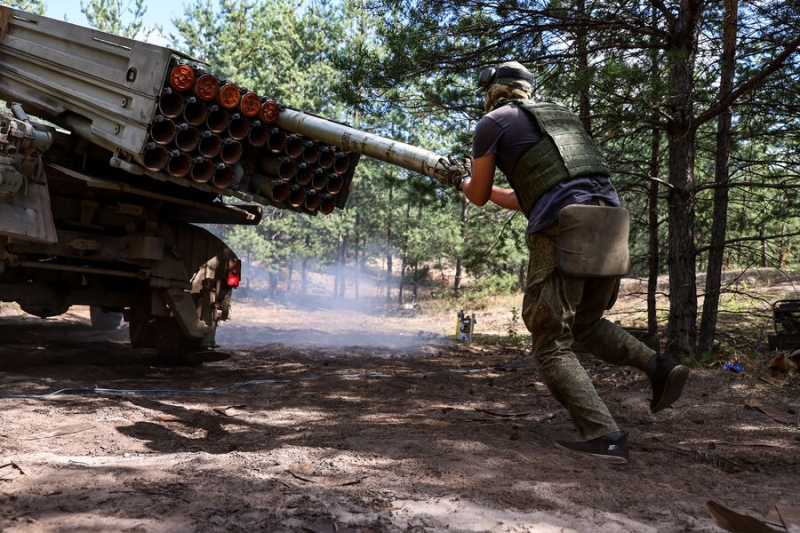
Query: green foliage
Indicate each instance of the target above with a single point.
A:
(110, 16)
(32, 6)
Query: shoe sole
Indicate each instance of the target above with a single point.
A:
(612, 459)
(673, 388)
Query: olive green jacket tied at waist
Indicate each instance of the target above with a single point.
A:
(565, 151)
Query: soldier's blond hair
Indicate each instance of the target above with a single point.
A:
(496, 92)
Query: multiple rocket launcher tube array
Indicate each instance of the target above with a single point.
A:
(160, 116)
(214, 132)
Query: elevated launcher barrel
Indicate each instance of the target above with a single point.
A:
(397, 153)
(160, 116)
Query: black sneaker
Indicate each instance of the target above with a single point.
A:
(611, 449)
(667, 379)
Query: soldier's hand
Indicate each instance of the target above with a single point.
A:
(466, 164)
(459, 169)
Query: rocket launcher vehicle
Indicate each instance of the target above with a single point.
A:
(161, 117)
(113, 155)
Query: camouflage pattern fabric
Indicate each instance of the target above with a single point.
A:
(558, 310)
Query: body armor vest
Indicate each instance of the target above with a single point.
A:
(565, 151)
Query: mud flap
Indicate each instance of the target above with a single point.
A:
(29, 216)
(182, 305)
(592, 241)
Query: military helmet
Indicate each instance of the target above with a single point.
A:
(509, 73)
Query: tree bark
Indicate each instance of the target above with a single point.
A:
(584, 111)
(343, 267)
(653, 255)
(357, 252)
(681, 133)
(459, 262)
(719, 224)
(389, 238)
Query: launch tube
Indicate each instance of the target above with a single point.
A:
(313, 200)
(294, 145)
(171, 103)
(258, 134)
(155, 157)
(223, 176)
(179, 164)
(194, 113)
(311, 152)
(282, 167)
(342, 163)
(305, 173)
(238, 127)
(181, 77)
(335, 183)
(250, 104)
(270, 187)
(277, 140)
(202, 170)
(163, 130)
(320, 180)
(327, 204)
(326, 157)
(394, 152)
(231, 152)
(187, 139)
(217, 119)
(229, 96)
(206, 87)
(210, 145)
(297, 195)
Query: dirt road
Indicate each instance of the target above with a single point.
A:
(336, 420)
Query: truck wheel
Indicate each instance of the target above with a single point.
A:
(173, 346)
(102, 320)
(142, 331)
(176, 349)
(45, 310)
(165, 335)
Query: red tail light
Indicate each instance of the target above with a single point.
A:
(234, 272)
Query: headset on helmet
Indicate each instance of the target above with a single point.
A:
(508, 73)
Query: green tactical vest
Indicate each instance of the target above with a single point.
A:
(565, 151)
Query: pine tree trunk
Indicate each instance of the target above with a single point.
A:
(653, 256)
(719, 224)
(304, 277)
(389, 249)
(415, 287)
(681, 132)
(357, 253)
(459, 263)
(402, 282)
(343, 267)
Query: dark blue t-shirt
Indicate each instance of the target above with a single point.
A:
(509, 132)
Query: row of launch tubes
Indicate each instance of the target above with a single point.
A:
(206, 128)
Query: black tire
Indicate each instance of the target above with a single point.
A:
(142, 332)
(164, 334)
(46, 310)
(104, 321)
(173, 346)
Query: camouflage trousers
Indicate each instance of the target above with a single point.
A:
(558, 310)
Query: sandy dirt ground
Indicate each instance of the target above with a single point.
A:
(335, 420)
